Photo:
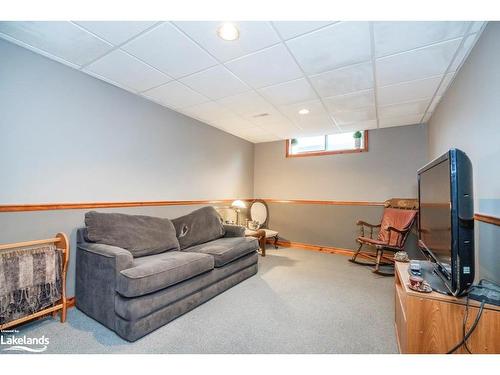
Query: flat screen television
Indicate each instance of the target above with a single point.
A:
(446, 219)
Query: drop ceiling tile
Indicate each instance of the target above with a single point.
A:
(248, 104)
(469, 43)
(291, 29)
(209, 112)
(284, 129)
(344, 80)
(58, 39)
(170, 51)
(316, 123)
(417, 64)
(126, 70)
(448, 78)
(400, 120)
(270, 118)
(408, 91)
(232, 122)
(237, 123)
(316, 119)
(267, 67)
(355, 116)
(254, 36)
(175, 95)
(315, 132)
(349, 102)
(314, 106)
(402, 109)
(362, 125)
(393, 37)
(289, 92)
(110, 81)
(341, 44)
(116, 32)
(252, 132)
(215, 83)
(264, 138)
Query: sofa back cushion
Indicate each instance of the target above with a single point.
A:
(141, 235)
(200, 226)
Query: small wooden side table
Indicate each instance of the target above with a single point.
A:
(260, 234)
(432, 322)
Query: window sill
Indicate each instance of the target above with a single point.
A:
(321, 153)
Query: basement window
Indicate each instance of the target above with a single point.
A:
(330, 144)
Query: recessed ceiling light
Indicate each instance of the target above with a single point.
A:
(304, 111)
(228, 31)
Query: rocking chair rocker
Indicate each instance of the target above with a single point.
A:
(397, 220)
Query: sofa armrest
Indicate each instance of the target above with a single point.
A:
(97, 270)
(123, 258)
(234, 230)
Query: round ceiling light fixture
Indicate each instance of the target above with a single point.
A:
(228, 31)
(304, 111)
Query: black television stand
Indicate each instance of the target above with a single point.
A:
(428, 272)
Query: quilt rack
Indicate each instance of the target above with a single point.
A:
(61, 242)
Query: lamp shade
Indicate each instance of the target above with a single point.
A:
(238, 204)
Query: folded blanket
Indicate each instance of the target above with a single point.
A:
(30, 280)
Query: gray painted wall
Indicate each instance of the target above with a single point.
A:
(68, 137)
(468, 118)
(387, 170)
(326, 225)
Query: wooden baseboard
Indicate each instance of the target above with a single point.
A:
(306, 246)
(70, 302)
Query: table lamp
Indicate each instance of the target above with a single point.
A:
(237, 205)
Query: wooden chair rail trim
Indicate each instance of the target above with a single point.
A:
(86, 205)
(325, 202)
(90, 205)
(490, 219)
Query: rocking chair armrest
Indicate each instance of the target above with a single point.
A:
(361, 222)
(396, 230)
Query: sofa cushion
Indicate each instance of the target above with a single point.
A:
(141, 235)
(200, 226)
(138, 307)
(225, 250)
(156, 272)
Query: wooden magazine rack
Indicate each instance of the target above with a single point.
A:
(62, 244)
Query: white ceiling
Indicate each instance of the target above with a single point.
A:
(350, 75)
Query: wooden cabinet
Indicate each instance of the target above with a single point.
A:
(432, 322)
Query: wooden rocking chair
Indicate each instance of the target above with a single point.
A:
(397, 220)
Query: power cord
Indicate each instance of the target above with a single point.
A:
(472, 328)
(466, 316)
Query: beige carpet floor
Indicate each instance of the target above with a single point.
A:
(299, 302)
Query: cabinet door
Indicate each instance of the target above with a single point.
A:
(400, 315)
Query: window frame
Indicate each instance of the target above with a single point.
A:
(289, 154)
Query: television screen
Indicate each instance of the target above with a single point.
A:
(446, 219)
(435, 213)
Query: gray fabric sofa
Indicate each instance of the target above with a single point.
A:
(133, 296)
